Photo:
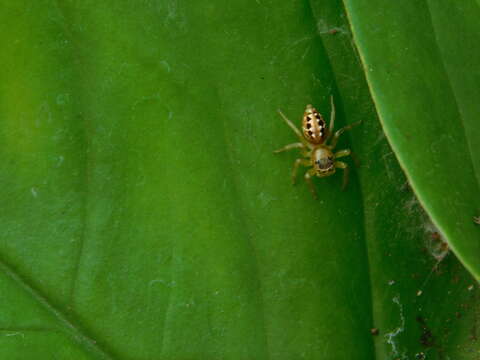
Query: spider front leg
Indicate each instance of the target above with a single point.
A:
(344, 166)
(308, 180)
(341, 131)
(297, 163)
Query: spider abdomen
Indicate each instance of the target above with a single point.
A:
(314, 126)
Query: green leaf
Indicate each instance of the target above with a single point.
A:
(406, 286)
(422, 64)
(146, 217)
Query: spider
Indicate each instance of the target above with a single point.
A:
(316, 151)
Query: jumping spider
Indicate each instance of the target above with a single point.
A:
(314, 149)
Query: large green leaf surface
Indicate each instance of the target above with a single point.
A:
(145, 216)
(422, 62)
(406, 286)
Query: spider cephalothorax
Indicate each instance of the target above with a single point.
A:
(316, 151)
(323, 160)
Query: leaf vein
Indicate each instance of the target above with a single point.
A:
(71, 329)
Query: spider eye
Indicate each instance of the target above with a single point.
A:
(324, 164)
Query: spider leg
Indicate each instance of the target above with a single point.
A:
(347, 152)
(341, 131)
(342, 153)
(308, 180)
(293, 127)
(344, 166)
(290, 146)
(332, 119)
(297, 163)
